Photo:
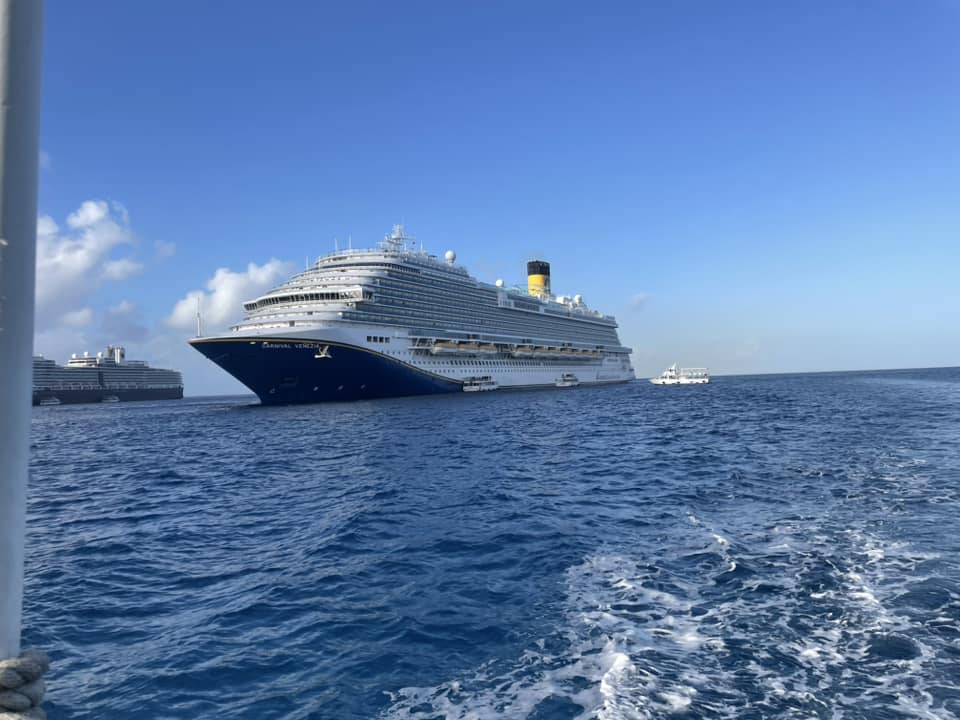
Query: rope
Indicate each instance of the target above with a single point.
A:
(22, 686)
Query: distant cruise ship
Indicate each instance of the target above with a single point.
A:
(108, 377)
(397, 321)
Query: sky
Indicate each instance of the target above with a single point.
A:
(748, 186)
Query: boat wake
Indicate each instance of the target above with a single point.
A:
(808, 624)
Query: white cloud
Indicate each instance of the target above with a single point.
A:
(71, 264)
(78, 318)
(221, 304)
(639, 300)
(46, 225)
(121, 269)
(88, 214)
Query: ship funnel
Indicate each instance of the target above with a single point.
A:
(538, 278)
(118, 354)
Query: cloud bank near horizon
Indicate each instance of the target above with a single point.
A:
(221, 302)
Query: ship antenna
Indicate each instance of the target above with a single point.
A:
(350, 242)
(199, 320)
(336, 245)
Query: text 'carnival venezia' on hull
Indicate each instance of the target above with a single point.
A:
(396, 321)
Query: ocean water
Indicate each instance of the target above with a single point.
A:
(762, 547)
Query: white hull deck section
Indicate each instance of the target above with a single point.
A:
(429, 314)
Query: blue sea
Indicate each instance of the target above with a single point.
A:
(761, 547)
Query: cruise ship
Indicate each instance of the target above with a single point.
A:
(395, 320)
(106, 377)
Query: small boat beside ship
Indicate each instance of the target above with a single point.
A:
(674, 375)
(480, 383)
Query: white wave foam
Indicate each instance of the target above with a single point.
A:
(644, 638)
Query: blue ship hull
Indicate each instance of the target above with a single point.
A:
(284, 371)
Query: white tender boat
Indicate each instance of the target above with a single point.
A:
(682, 376)
(567, 380)
(479, 384)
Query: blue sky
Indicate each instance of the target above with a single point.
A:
(751, 186)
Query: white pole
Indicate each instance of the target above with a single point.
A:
(21, 23)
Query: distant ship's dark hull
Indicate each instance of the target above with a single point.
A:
(97, 395)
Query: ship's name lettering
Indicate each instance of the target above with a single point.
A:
(289, 346)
